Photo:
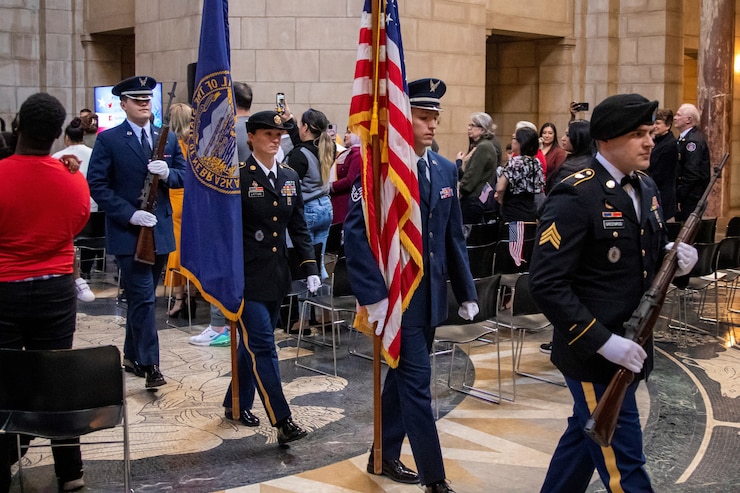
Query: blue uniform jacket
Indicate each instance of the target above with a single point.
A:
(444, 251)
(592, 263)
(116, 175)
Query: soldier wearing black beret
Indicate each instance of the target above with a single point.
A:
(599, 244)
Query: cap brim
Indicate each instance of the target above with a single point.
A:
(426, 106)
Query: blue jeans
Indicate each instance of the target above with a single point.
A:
(319, 214)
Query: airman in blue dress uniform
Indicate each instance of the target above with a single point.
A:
(406, 408)
(599, 244)
(119, 165)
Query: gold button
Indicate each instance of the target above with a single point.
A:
(642, 232)
(274, 249)
(274, 218)
(275, 204)
(615, 234)
(644, 274)
(274, 234)
(643, 252)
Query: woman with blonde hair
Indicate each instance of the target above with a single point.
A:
(180, 116)
(312, 158)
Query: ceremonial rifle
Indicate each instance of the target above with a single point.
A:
(146, 251)
(600, 426)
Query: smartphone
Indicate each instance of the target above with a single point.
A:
(280, 103)
(580, 107)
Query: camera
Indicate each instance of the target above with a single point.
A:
(580, 107)
(280, 103)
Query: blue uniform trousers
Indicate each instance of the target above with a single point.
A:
(621, 466)
(246, 380)
(258, 332)
(140, 282)
(407, 408)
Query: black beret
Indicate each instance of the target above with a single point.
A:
(621, 114)
(266, 119)
(426, 93)
(139, 87)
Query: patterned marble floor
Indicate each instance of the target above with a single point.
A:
(181, 442)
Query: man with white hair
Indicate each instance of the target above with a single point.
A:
(692, 173)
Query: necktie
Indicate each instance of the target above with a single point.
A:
(145, 144)
(271, 176)
(424, 185)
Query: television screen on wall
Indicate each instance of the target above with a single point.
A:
(110, 114)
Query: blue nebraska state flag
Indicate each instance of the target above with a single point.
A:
(211, 245)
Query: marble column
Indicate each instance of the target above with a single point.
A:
(714, 96)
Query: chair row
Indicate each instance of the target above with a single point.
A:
(501, 307)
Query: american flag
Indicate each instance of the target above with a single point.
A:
(516, 241)
(397, 244)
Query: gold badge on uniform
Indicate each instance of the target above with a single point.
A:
(277, 120)
(614, 255)
(611, 184)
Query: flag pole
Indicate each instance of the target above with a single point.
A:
(235, 411)
(377, 340)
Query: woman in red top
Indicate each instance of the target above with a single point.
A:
(348, 166)
(554, 154)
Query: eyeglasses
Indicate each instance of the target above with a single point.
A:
(472, 125)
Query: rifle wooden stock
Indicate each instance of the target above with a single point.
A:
(146, 250)
(600, 427)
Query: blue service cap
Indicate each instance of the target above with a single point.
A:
(139, 87)
(426, 93)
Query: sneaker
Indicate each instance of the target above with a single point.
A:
(83, 290)
(207, 336)
(223, 339)
(546, 348)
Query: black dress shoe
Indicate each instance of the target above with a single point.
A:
(440, 487)
(154, 377)
(394, 469)
(133, 367)
(245, 416)
(288, 431)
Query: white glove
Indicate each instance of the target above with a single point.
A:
(623, 352)
(468, 310)
(160, 168)
(687, 257)
(313, 283)
(143, 218)
(377, 313)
